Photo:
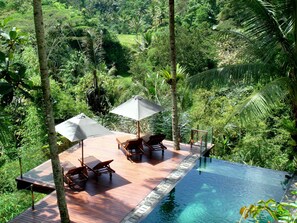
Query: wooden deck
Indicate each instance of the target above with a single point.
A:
(104, 200)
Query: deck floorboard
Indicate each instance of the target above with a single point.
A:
(104, 200)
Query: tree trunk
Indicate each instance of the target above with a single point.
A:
(175, 132)
(45, 84)
(294, 75)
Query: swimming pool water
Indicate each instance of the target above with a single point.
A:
(215, 190)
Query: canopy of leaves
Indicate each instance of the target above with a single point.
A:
(91, 71)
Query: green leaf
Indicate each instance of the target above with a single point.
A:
(5, 88)
(6, 20)
(13, 35)
(2, 57)
(291, 205)
(10, 55)
(270, 201)
(30, 84)
(14, 75)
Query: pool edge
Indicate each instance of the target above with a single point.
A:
(159, 192)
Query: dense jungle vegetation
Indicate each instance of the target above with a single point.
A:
(102, 52)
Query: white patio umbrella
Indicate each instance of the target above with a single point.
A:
(81, 127)
(137, 108)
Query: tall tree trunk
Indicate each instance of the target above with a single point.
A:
(175, 132)
(295, 36)
(45, 84)
(294, 75)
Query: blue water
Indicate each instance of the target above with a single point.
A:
(215, 190)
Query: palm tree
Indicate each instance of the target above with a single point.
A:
(45, 85)
(270, 33)
(175, 134)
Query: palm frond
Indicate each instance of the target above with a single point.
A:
(263, 24)
(292, 91)
(287, 7)
(260, 104)
(247, 73)
(181, 73)
(254, 48)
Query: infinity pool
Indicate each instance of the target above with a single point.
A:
(215, 190)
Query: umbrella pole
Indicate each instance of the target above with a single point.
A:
(138, 129)
(82, 152)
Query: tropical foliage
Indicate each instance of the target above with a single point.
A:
(240, 54)
(279, 211)
(269, 37)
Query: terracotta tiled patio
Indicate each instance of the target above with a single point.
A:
(104, 200)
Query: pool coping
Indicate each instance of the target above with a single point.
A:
(159, 192)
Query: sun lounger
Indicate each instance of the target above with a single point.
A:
(74, 177)
(154, 142)
(98, 167)
(131, 147)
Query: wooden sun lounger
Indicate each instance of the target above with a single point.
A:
(74, 177)
(131, 147)
(154, 143)
(98, 167)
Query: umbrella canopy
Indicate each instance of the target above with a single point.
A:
(81, 127)
(137, 108)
